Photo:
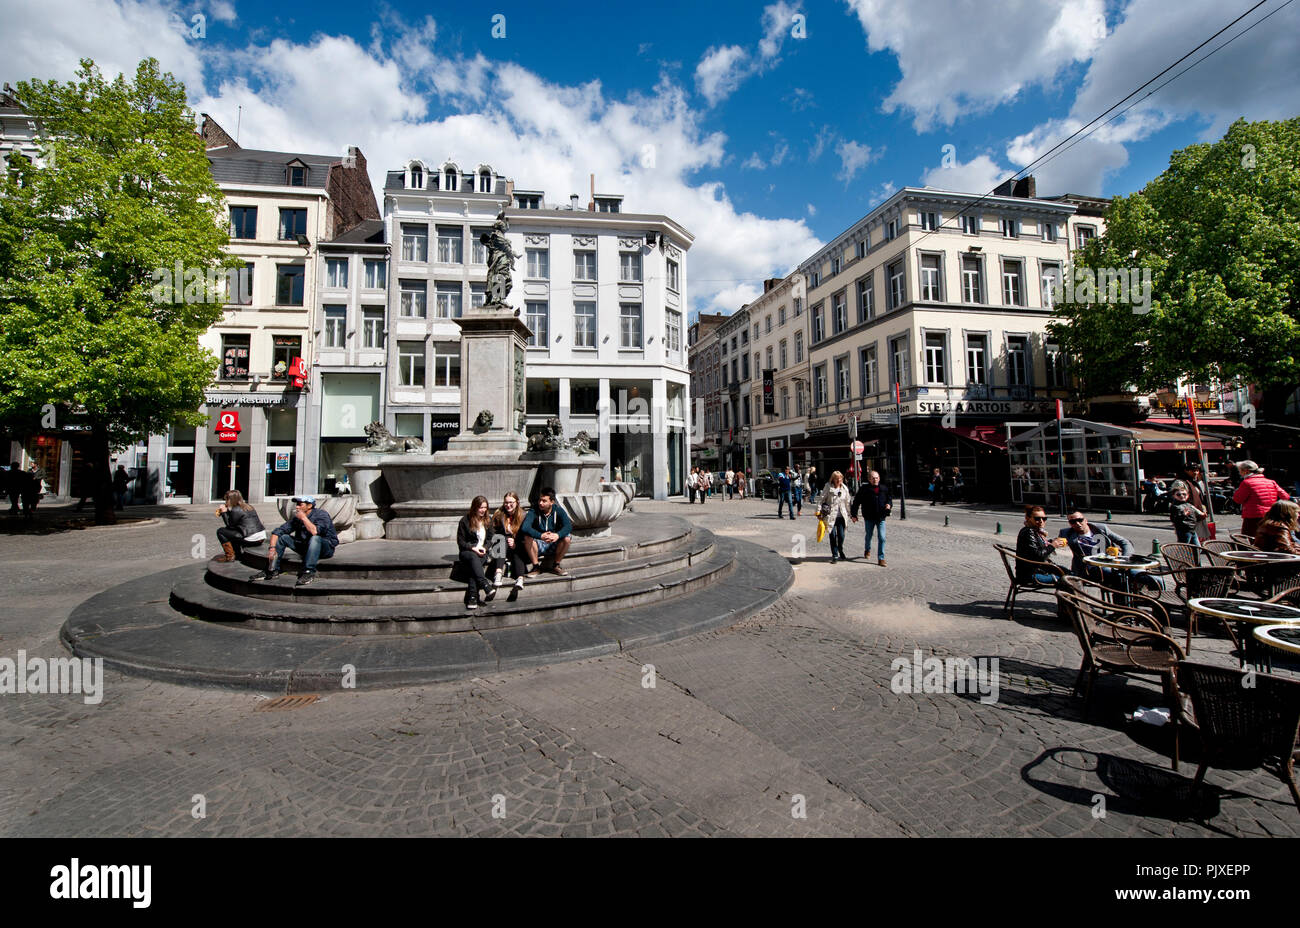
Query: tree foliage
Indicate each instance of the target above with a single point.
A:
(124, 189)
(1219, 231)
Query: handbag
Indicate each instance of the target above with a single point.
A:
(821, 528)
(256, 536)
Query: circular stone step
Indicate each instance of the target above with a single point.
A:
(134, 630)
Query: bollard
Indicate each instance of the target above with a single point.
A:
(998, 530)
(1155, 547)
(1107, 515)
(945, 521)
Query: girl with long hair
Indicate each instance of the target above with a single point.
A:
(506, 523)
(240, 526)
(472, 539)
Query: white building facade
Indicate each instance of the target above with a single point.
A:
(603, 291)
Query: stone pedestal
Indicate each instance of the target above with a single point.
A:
(370, 491)
(432, 491)
(492, 379)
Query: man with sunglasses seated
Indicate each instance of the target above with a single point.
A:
(1087, 540)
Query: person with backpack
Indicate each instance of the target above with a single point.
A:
(1256, 495)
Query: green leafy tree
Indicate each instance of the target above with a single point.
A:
(1219, 232)
(124, 198)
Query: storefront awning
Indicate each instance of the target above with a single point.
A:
(825, 443)
(1160, 440)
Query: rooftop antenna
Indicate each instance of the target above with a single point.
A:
(239, 118)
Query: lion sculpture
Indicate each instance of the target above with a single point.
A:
(381, 441)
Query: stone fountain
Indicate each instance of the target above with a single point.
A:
(407, 493)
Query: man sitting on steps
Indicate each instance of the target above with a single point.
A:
(546, 533)
(310, 532)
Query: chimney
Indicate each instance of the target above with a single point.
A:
(573, 201)
(770, 283)
(591, 204)
(1025, 188)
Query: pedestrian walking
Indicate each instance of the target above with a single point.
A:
(958, 485)
(1257, 494)
(936, 486)
(740, 484)
(810, 482)
(690, 483)
(783, 497)
(13, 486)
(121, 481)
(796, 490)
(31, 488)
(835, 510)
(729, 478)
(874, 501)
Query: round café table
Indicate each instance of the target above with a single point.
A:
(1282, 637)
(1258, 557)
(1245, 612)
(1125, 563)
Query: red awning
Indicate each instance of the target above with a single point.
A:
(991, 435)
(1162, 440)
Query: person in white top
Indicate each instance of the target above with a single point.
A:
(730, 478)
(834, 509)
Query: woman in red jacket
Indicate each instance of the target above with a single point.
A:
(1256, 495)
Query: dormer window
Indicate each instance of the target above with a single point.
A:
(297, 174)
(485, 181)
(449, 178)
(417, 178)
(608, 204)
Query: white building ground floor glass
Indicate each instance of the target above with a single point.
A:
(636, 424)
(342, 403)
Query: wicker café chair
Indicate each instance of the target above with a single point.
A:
(1213, 551)
(1243, 542)
(1196, 583)
(1243, 727)
(1010, 560)
(1180, 556)
(1288, 597)
(1138, 647)
(1104, 597)
(1268, 579)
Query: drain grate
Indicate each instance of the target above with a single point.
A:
(284, 703)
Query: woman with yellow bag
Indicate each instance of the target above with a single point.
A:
(833, 514)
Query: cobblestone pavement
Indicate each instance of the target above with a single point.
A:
(785, 724)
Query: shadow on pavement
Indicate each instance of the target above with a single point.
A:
(1127, 786)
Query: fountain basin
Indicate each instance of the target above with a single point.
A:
(592, 513)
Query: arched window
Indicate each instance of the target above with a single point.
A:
(484, 181)
(449, 173)
(417, 177)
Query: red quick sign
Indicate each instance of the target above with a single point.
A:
(228, 425)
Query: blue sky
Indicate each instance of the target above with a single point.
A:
(766, 129)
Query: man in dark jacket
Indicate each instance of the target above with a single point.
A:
(310, 532)
(545, 532)
(1087, 540)
(121, 481)
(874, 501)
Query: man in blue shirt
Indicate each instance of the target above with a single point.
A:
(309, 532)
(783, 497)
(546, 533)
